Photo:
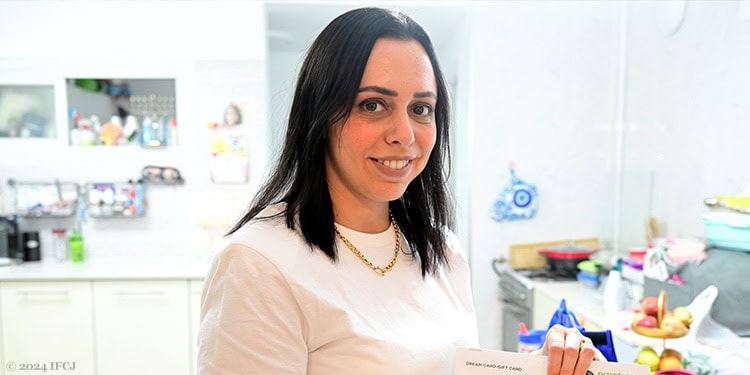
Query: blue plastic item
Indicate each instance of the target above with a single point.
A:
(531, 341)
(588, 279)
(727, 230)
(602, 340)
(564, 317)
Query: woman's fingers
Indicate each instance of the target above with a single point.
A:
(554, 346)
(569, 352)
(586, 354)
(572, 347)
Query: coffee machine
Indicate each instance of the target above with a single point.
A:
(11, 244)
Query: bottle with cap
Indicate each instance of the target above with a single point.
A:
(76, 247)
(615, 296)
(530, 341)
(60, 245)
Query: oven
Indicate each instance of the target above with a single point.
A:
(517, 299)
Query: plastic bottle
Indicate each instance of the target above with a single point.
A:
(530, 341)
(130, 130)
(60, 245)
(76, 247)
(615, 295)
(139, 199)
(147, 132)
(173, 132)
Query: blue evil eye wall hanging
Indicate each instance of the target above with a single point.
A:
(518, 200)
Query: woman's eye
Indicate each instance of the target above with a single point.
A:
(422, 110)
(371, 106)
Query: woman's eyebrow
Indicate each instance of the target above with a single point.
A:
(389, 92)
(378, 89)
(425, 94)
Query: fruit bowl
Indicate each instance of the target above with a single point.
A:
(673, 372)
(661, 331)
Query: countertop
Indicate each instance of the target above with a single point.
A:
(728, 355)
(588, 305)
(156, 268)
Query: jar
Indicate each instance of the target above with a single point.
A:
(532, 341)
(60, 245)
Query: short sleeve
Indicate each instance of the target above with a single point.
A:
(251, 322)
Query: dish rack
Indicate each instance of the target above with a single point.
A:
(37, 199)
(115, 199)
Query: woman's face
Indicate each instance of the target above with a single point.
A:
(387, 139)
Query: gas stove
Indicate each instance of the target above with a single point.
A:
(545, 274)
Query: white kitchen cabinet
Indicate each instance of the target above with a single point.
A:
(142, 327)
(47, 323)
(196, 289)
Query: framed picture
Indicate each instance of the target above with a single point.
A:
(27, 111)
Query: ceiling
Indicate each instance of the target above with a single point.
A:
(292, 25)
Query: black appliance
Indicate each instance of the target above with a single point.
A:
(31, 247)
(11, 244)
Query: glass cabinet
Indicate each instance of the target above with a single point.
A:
(121, 112)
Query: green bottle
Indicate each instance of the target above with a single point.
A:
(76, 247)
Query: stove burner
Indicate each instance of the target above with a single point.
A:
(543, 273)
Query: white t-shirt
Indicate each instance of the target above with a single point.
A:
(272, 306)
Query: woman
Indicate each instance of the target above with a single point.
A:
(344, 263)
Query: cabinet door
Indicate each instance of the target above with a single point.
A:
(47, 323)
(142, 327)
(196, 289)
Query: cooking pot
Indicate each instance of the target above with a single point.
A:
(562, 260)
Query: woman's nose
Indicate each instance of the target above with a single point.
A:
(401, 131)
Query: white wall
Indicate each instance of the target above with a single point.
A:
(283, 68)
(544, 77)
(687, 113)
(204, 45)
(455, 56)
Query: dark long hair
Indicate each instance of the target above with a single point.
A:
(326, 89)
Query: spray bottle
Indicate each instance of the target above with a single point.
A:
(76, 238)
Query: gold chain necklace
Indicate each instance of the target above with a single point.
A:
(379, 270)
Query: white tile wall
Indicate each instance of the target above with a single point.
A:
(544, 76)
(687, 113)
(203, 45)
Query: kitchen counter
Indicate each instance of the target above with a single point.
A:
(156, 268)
(588, 306)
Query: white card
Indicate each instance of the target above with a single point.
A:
(482, 361)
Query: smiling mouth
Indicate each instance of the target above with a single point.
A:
(394, 164)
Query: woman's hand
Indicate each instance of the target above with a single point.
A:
(569, 352)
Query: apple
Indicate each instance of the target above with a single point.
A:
(637, 316)
(684, 315)
(650, 305)
(647, 356)
(647, 322)
(672, 324)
